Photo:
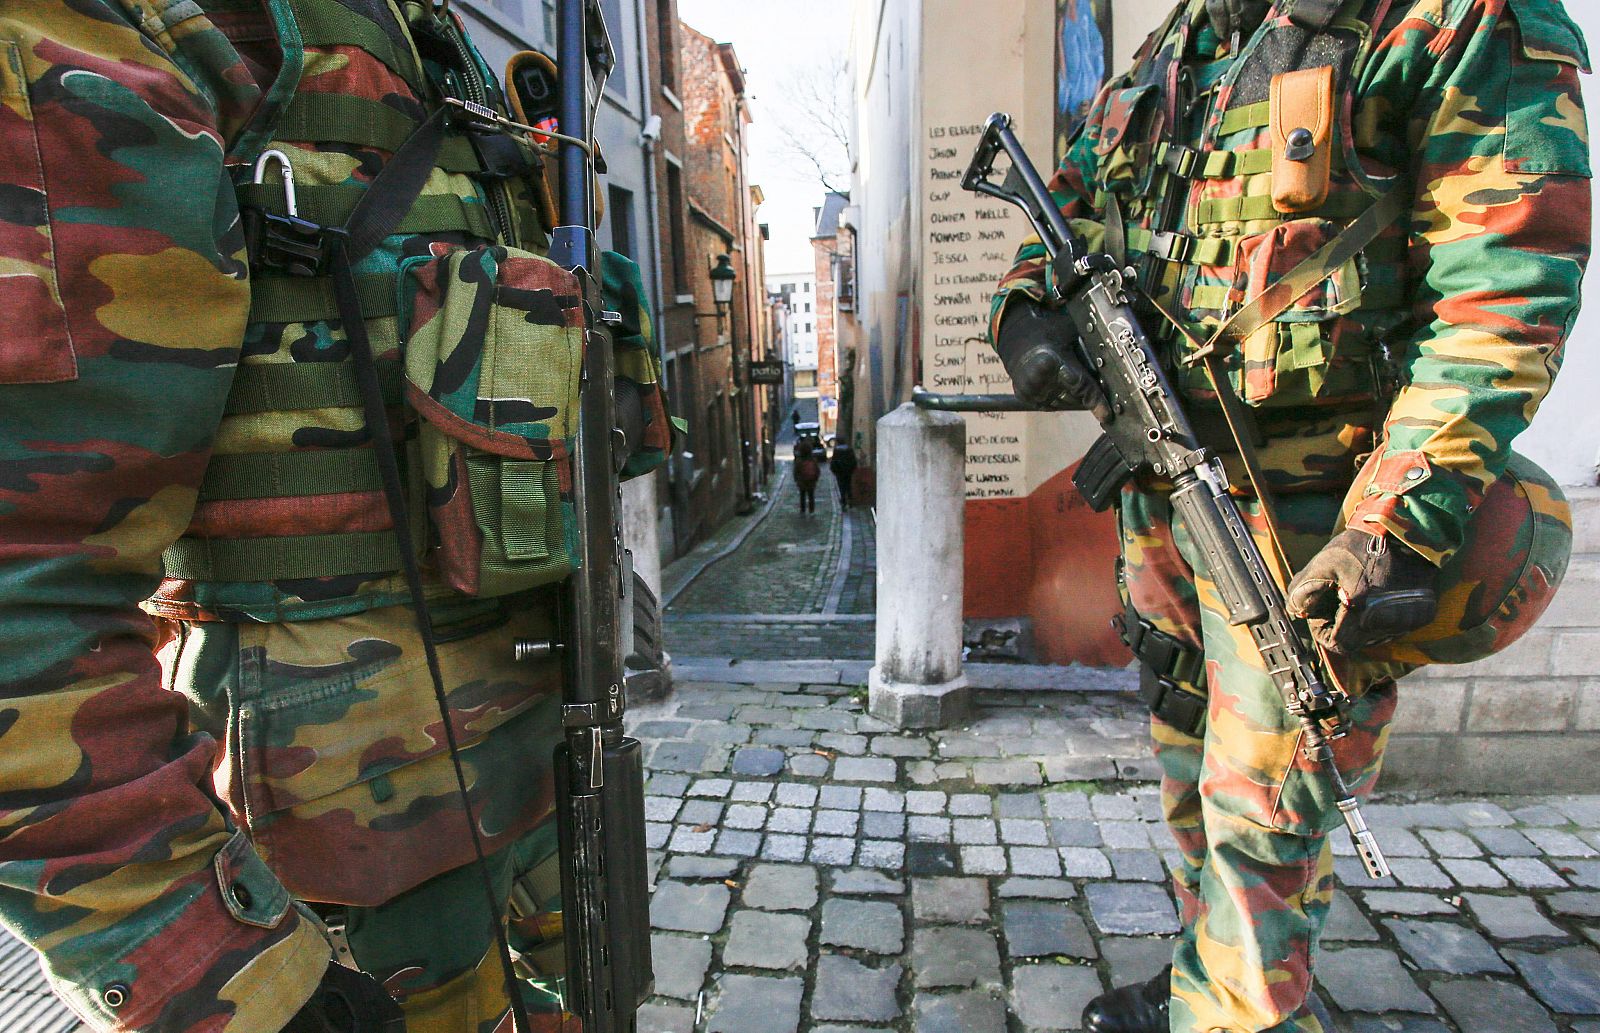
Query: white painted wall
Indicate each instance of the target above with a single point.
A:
(1565, 438)
(886, 59)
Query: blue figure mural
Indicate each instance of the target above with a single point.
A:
(1083, 42)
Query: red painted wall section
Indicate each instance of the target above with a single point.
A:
(1047, 557)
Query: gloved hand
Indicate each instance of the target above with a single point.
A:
(1363, 589)
(1039, 349)
(348, 1001)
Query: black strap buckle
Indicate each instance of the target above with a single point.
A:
(289, 244)
(1171, 247)
(1180, 160)
(1173, 704)
(1163, 663)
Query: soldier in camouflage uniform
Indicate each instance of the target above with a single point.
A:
(179, 428)
(1191, 167)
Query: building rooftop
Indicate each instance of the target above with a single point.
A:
(833, 206)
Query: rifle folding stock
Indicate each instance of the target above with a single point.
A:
(1148, 430)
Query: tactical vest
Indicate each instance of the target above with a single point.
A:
(481, 338)
(1227, 174)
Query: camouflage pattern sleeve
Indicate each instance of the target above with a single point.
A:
(1073, 188)
(1500, 238)
(125, 300)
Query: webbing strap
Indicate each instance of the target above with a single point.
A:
(1181, 247)
(391, 195)
(524, 501)
(270, 475)
(335, 25)
(1210, 297)
(288, 386)
(275, 298)
(274, 559)
(1250, 116)
(364, 123)
(395, 190)
(1191, 164)
(1227, 164)
(331, 205)
(346, 120)
(1259, 206)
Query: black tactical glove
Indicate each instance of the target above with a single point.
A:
(1039, 349)
(1363, 589)
(348, 1001)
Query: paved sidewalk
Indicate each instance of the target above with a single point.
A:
(817, 873)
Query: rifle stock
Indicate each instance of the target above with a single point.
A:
(1148, 430)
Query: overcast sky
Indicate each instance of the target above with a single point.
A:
(774, 40)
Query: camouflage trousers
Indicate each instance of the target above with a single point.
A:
(1250, 815)
(453, 983)
(337, 768)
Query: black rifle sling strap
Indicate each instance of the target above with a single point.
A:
(391, 195)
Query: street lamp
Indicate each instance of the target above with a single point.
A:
(723, 276)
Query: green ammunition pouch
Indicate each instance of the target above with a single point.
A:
(492, 339)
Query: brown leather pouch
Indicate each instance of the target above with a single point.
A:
(1302, 138)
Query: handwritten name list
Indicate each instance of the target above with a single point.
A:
(968, 244)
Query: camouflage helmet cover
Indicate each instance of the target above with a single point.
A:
(1504, 576)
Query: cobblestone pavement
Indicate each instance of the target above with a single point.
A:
(814, 871)
(780, 584)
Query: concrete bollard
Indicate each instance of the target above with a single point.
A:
(917, 681)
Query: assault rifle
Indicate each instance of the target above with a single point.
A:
(599, 771)
(1147, 429)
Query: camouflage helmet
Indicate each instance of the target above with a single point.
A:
(1498, 585)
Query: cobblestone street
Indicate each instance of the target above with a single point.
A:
(816, 872)
(779, 584)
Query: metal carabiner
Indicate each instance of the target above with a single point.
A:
(286, 171)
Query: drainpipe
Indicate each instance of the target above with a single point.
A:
(652, 206)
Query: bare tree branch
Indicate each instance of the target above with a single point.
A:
(814, 120)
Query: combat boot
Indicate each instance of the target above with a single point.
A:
(1140, 1008)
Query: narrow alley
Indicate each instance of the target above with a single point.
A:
(780, 584)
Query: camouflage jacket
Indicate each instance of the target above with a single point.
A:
(127, 294)
(1456, 315)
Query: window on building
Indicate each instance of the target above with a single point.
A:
(807, 287)
(787, 288)
(808, 328)
(808, 306)
(619, 216)
(549, 21)
(676, 229)
(618, 80)
(667, 43)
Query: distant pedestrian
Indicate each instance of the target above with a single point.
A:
(807, 471)
(843, 465)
